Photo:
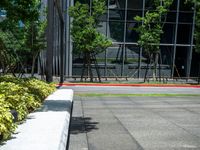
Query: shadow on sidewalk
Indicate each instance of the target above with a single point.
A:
(82, 125)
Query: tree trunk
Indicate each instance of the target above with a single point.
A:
(155, 63)
(160, 61)
(88, 55)
(84, 65)
(147, 67)
(33, 64)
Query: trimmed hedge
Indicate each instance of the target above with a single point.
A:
(21, 96)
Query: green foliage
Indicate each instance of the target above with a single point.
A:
(21, 9)
(197, 25)
(20, 44)
(9, 47)
(21, 95)
(196, 5)
(151, 28)
(18, 98)
(39, 88)
(6, 119)
(85, 36)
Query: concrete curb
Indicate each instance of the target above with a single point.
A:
(47, 128)
(131, 85)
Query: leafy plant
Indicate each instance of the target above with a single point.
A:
(6, 119)
(150, 30)
(39, 88)
(21, 95)
(86, 39)
(20, 43)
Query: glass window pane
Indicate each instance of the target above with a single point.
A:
(102, 27)
(186, 17)
(174, 5)
(114, 60)
(185, 6)
(131, 34)
(134, 4)
(116, 31)
(115, 14)
(132, 13)
(171, 16)
(168, 35)
(181, 61)
(166, 55)
(121, 4)
(184, 33)
(131, 58)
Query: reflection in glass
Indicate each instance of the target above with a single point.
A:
(131, 34)
(168, 35)
(116, 31)
(184, 33)
(132, 13)
(185, 17)
(134, 4)
(115, 14)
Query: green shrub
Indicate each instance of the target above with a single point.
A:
(19, 98)
(39, 88)
(21, 95)
(6, 119)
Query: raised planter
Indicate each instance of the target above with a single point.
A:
(47, 128)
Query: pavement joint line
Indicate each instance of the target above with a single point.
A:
(152, 111)
(178, 126)
(192, 111)
(83, 114)
(139, 147)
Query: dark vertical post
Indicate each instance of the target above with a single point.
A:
(175, 39)
(189, 61)
(61, 52)
(199, 75)
(107, 26)
(124, 40)
(50, 34)
(140, 54)
(59, 6)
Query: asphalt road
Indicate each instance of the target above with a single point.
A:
(135, 123)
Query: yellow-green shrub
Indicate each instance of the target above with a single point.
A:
(19, 98)
(39, 88)
(6, 119)
(21, 95)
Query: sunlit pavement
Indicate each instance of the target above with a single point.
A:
(134, 123)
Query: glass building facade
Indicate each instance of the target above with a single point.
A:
(125, 58)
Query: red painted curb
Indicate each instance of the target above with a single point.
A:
(133, 85)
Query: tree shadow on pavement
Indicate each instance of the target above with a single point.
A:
(82, 125)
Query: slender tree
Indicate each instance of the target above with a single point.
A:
(150, 31)
(24, 26)
(87, 41)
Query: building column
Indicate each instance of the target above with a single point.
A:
(50, 41)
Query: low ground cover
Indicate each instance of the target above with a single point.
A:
(19, 97)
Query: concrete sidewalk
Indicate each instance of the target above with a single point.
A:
(135, 123)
